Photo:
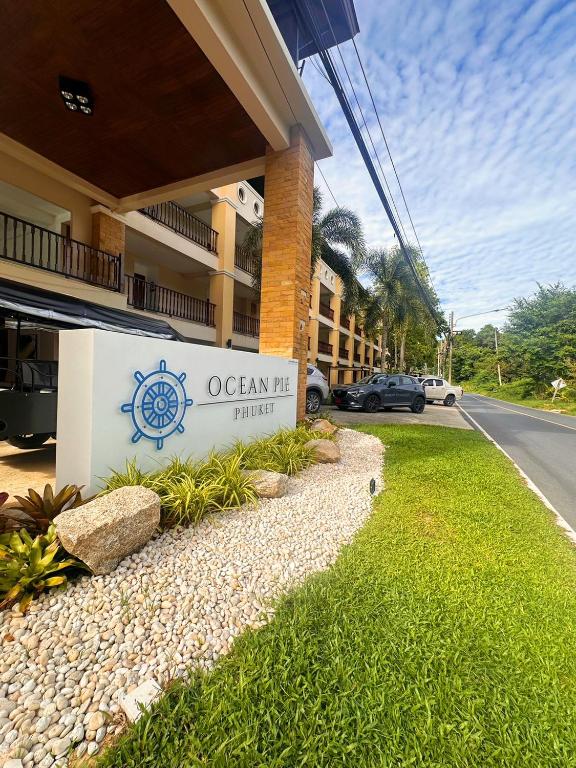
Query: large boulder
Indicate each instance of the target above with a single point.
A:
(109, 528)
(323, 425)
(325, 451)
(268, 485)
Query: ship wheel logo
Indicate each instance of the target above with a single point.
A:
(158, 405)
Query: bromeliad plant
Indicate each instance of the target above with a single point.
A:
(29, 565)
(35, 513)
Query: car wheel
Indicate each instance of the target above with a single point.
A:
(341, 407)
(29, 441)
(418, 405)
(313, 401)
(371, 404)
(450, 400)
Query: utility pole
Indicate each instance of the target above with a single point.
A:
(451, 343)
(497, 360)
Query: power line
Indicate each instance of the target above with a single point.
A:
(308, 20)
(386, 143)
(328, 185)
(365, 123)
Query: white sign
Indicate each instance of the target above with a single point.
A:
(122, 397)
(559, 384)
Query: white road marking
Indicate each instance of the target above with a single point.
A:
(521, 413)
(564, 524)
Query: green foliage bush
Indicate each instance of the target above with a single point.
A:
(188, 490)
(29, 565)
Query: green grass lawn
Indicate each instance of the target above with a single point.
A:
(444, 636)
(567, 407)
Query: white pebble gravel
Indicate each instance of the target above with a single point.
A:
(180, 602)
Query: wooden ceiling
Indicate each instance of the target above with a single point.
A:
(161, 111)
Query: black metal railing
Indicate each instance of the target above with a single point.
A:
(148, 296)
(345, 322)
(28, 375)
(181, 221)
(245, 261)
(324, 348)
(27, 243)
(343, 353)
(356, 357)
(247, 325)
(326, 311)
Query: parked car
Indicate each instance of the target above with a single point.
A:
(317, 389)
(440, 389)
(380, 390)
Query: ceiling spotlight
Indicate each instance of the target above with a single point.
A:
(77, 95)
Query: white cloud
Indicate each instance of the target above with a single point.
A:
(478, 100)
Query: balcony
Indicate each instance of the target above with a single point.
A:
(181, 221)
(145, 295)
(244, 261)
(343, 353)
(345, 322)
(26, 243)
(324, 348)
(246, 325)
(356, 357)
(326, 311)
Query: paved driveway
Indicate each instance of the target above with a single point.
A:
(20, 470)
(436, 415)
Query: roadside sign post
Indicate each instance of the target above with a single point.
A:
(558, 384)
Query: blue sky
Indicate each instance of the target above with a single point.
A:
(478, 101)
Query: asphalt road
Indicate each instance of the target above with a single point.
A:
(543, 444)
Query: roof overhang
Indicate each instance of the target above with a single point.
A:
(244, 94)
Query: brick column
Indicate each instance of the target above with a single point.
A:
(222, 281)
(286, 250)
(108, 234)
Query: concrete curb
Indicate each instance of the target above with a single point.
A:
(566, 527)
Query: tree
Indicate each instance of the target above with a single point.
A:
(388, 272)
(337, 239)
(399, 296)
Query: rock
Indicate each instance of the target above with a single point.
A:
(107, 529)
(323, 425)
(13, 763)
(268, 485)
(61, 746)
(325, 451)
(97, 720)
(141, 697)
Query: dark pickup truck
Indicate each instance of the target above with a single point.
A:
(28, 400)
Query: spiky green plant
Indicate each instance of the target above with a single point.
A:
(29, 565)
(132, 475)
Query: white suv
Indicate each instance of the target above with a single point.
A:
(439, 389)
(317, 389)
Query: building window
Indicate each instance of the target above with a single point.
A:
(256, 207)
(241, 194)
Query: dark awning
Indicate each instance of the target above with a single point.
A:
(68, 312)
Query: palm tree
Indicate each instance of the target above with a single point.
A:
(337, 239)
(389, 274)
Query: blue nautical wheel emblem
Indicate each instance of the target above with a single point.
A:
(158, 405)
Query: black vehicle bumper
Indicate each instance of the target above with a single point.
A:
(27, 413)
